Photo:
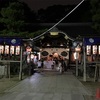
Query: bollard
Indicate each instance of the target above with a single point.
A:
(98, 94)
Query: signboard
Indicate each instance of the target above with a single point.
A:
(92, 41)
(11, 41)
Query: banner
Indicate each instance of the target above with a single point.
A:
(11, 41)
(1, 40)
(92, 41)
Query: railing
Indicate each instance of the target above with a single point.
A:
(93, 70)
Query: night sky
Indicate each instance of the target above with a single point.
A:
(37, 4)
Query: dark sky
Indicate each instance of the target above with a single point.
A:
(37, 4)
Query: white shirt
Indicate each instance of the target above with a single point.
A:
(39, 63)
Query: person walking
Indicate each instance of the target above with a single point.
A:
(65, 64)
(39, 65)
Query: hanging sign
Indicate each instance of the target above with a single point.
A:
(92, 41)
(13, 41)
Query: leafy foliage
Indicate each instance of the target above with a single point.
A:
(34, 34)
(17, 17)
(95, 4)
(57, 12)
(13, 17)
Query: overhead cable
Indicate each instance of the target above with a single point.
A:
(60, 20)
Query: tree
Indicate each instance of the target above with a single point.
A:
(5, 3)
(57, 12)
(53, 13)
(95, 4)
(13, 17)
(29, 15)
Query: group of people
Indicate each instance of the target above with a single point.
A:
(60, 64)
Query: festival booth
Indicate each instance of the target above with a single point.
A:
(92, 49)
(10, 51)
(92, 55)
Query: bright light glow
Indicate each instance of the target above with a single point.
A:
(99, 50)
(94, 49)
(77, 49)
(66, 37)
(53, 33)
(17, 50)
(39, 55)
(40, 49)
(11, 49)
(7, 49)
(32, 56)
(61, 44)
(67, 49)
(48, 44)
(1, 49)
(42, 37)
(55, 55)
(28, 58)
(88, 49)
(76, 55)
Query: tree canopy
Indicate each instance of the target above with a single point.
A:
(95, 4)
(57, 12)
(18, 19)
(13, 17)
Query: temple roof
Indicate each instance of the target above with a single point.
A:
(73, 29)
(65, 30)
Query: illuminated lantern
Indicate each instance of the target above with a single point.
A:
(55, 55)
(99, 50)
(11, 50)
(88, 50)
(53, 33)
(1, 49)
(6, 49)
(77, 49)
(17, 52)
(94, 49)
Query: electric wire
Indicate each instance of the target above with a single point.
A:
(60, 20)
